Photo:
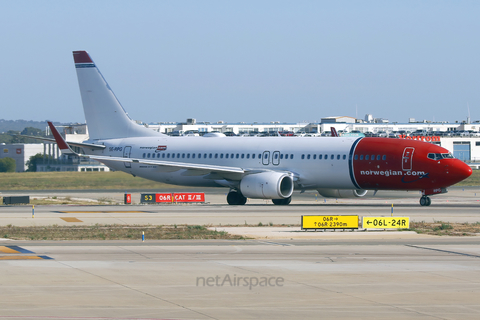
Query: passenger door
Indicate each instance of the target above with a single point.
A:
(407, 158)
(266, 158)
(126, 154)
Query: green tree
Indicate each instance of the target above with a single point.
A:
(32, 162)
(7, 165)
(31, 131)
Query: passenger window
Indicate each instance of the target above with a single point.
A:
(232, 156)
(237, 156)
(178, 155)
(281, 156)
(308, 157)
(173, 155)
(319, 157)
(226, 155)
(205, 155)
(326, 157)
(303, 156)
(356, 157)
(216, 155)
(378, 157)
(373, 157)
(338, 157)
(367, 157)
(210, 155)
(314, 156)
(291, 156)
(243, 155)
(344, 157)
(361, 157)
(332, 156)
(163, 155)
(183, 155)
(248, 155)
(193, 155)
(384, 157)
(253, 155)
(188, 155)
(221, 155)
(144, 155)
(168, 155)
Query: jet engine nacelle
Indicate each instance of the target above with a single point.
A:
(342, 193)
(267, 185)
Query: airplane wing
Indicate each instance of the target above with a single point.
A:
(173, 165)
(192, 168)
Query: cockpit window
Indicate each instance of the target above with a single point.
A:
(439, 156)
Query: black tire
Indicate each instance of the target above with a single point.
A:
(282, 202)
(235, 198)
(429, 201)
(424, 201)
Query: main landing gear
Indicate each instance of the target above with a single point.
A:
(425, 201)
(236, 198)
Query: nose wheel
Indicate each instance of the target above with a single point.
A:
(425, 201)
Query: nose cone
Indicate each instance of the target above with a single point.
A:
(459, 171)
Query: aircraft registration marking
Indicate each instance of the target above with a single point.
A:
(386, 222)
(329, 222)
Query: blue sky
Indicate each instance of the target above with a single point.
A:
(288, 61)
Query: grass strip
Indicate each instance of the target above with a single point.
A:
(75, 181)
(112, 232)
(440, 228)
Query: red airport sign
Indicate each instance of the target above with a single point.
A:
(172, 197)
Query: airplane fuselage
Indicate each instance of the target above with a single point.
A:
(317, 162)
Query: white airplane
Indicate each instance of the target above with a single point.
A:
(252, 167)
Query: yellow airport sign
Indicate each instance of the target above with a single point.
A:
(386, 223)
(329, 222)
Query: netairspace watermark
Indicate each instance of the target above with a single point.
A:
(235, 281)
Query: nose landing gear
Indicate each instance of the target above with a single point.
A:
(425, 201)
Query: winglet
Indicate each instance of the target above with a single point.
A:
(334, 132)
(59, 140)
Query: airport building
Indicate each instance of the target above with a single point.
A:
(21, 153)
(462, 139)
